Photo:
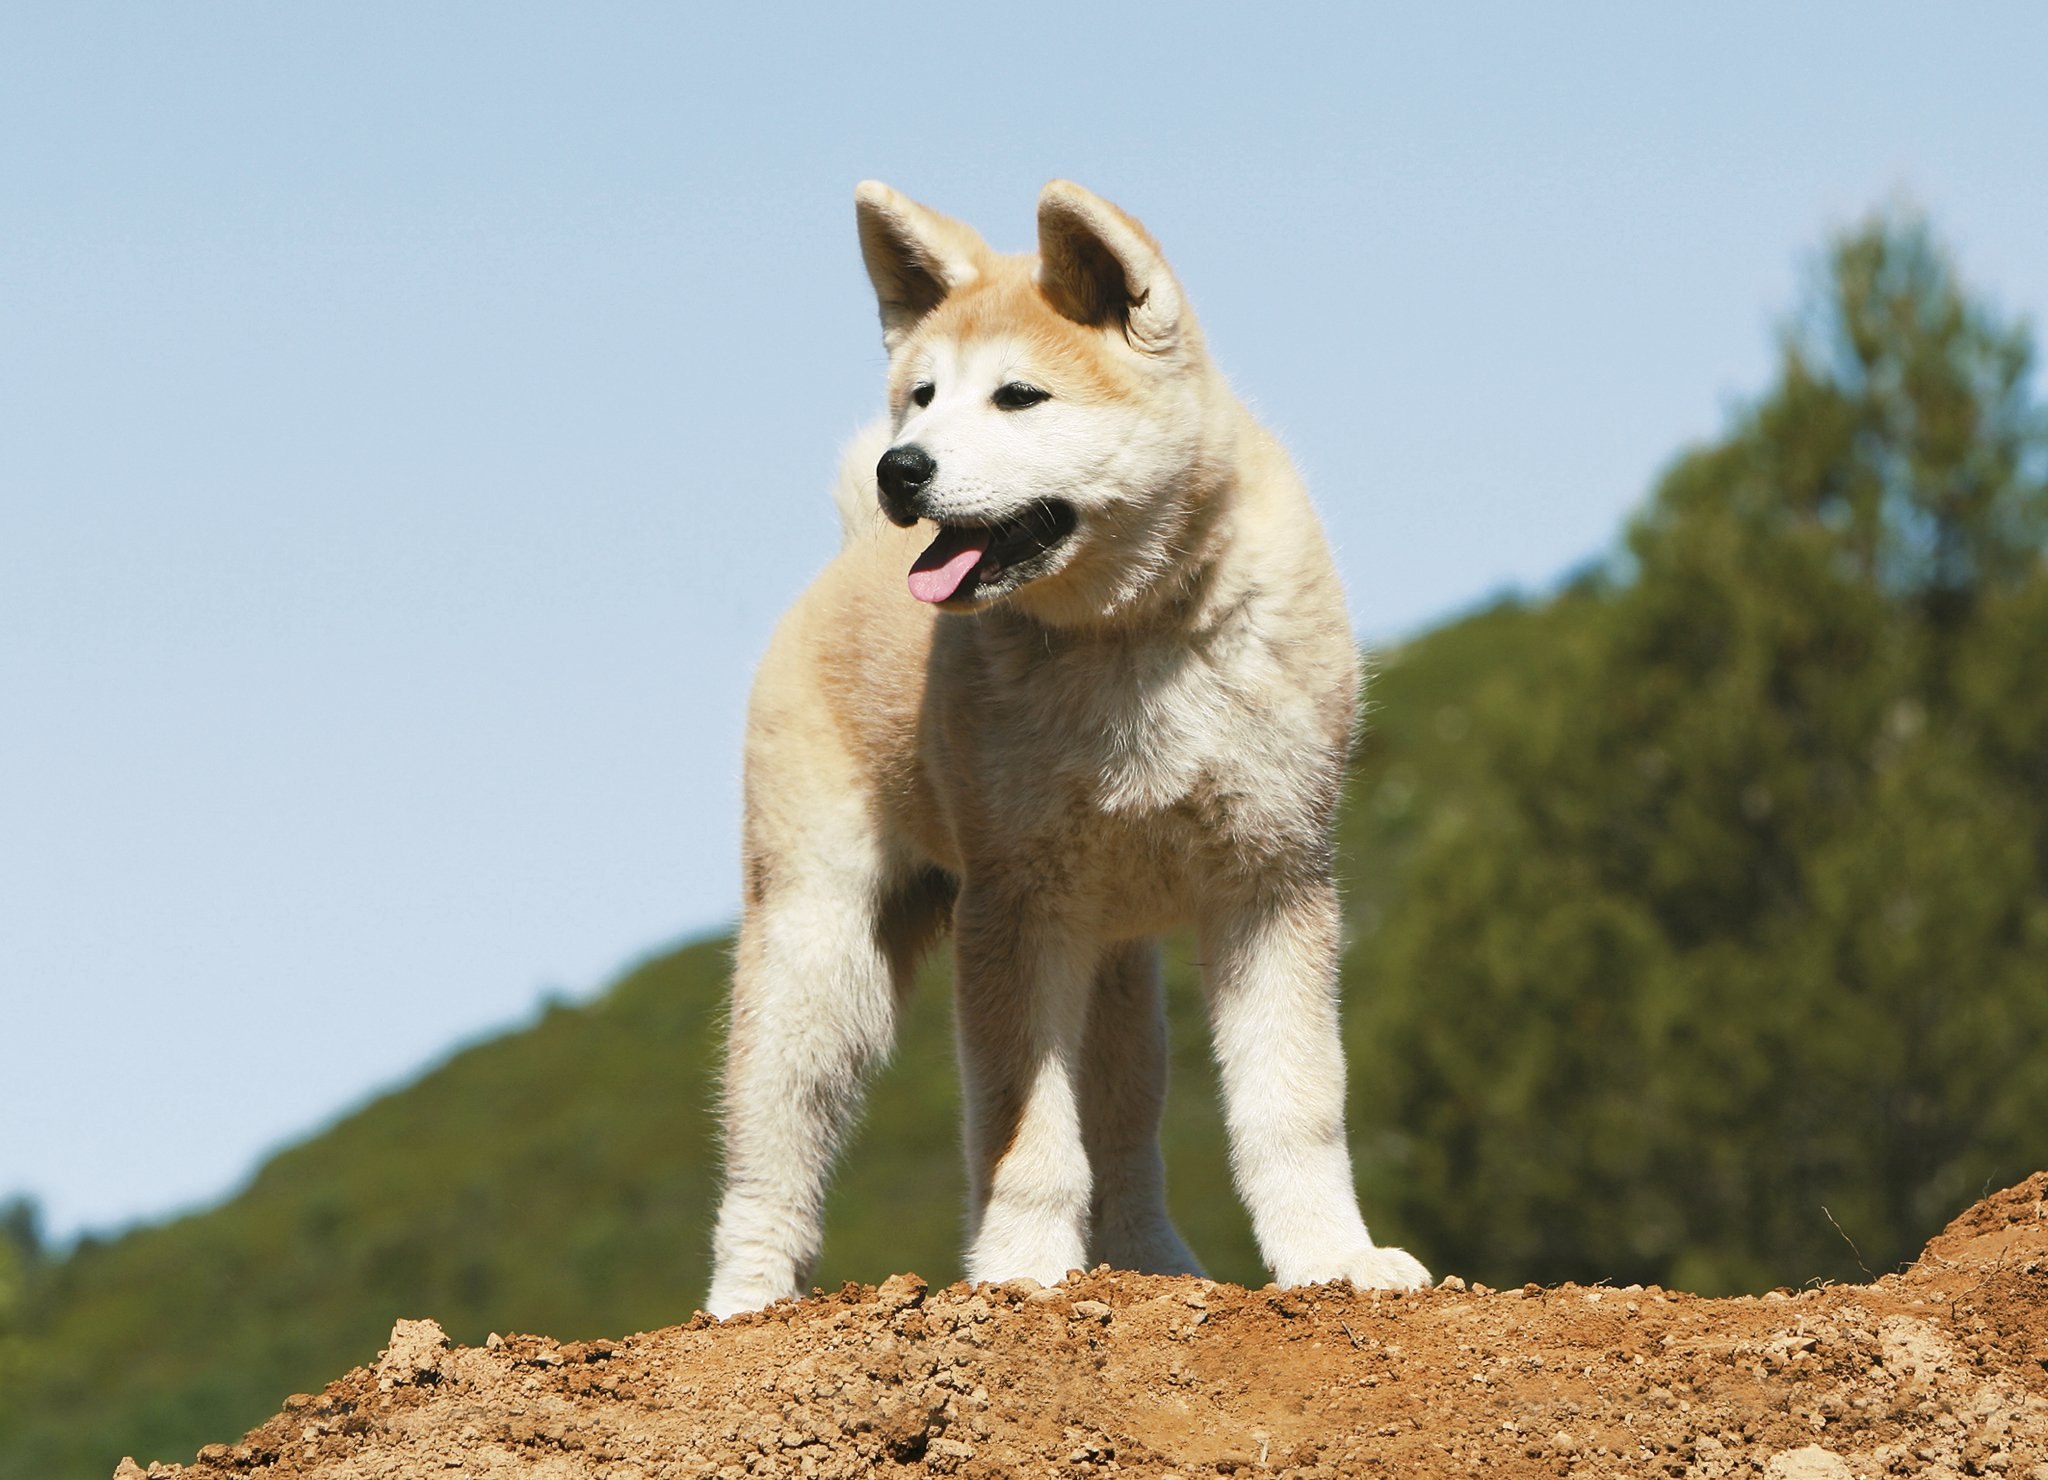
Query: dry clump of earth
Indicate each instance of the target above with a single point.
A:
(1939, 1371)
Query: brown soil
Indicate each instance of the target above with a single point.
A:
(1940, 1371)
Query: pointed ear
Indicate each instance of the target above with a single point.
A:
(915, 257)
(1098, 266)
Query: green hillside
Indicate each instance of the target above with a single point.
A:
(1697, 924)
(560, 1178)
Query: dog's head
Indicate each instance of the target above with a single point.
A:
(1048, 411)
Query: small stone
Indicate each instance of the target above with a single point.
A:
(414, 1354)
(901, 1292)
(494, 1341)
(129, 1470)
(1810, 1463)
(1092, 1310)
(1451, 1282)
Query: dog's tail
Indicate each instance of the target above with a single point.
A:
(860, 510)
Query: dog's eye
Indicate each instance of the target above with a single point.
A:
(921, 393)
(1017, 395)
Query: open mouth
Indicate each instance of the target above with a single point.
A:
(967, 560)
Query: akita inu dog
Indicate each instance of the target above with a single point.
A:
(1116, 697)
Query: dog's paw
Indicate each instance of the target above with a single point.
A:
(734, 1298)
(1369, 1268)
(1386, 1269)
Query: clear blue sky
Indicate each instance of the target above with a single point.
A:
(413, 417)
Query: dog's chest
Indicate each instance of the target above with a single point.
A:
(1135, 772)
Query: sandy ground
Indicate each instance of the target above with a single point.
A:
(1939, 1371)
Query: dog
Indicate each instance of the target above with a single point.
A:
(1081, 674)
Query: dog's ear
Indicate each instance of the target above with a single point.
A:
(1098, 266)
(915, 256)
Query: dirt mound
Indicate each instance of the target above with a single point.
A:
(1940, 1371)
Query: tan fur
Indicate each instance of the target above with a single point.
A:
(1149, 732)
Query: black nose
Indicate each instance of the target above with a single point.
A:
(902, 474)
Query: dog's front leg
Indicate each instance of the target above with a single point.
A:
(1272, 977)
(1023, 981)
(814, 1009)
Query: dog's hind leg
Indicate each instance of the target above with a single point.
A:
(1022, 986)
(1123, 1094)
(822, 965)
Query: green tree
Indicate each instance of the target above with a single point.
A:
(1741, 930)
(22, 1263)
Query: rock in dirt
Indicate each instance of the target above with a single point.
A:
(1939, 1371)
(413, 1356)
(1808, 1463)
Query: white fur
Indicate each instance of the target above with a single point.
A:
(1150, 731)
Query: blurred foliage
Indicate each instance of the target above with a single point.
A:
(1692, 912)
(21, 1268)
(1737, 928)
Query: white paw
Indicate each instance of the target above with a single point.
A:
(730, 1298)
(1387, 1269)
(1369, 1268)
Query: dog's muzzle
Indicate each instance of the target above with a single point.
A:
(902, 475)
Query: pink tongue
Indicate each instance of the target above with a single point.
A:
(946, 563)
